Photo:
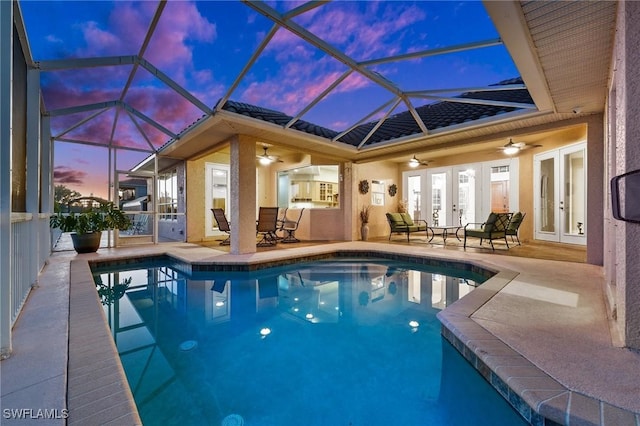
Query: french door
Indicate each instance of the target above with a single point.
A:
(560, 196)
(444, 196)
(217, 195)
(413, 192)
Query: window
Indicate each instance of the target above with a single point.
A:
(168, 195)
(309, 187)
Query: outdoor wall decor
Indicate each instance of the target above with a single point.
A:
(363, 186)
(393, 189)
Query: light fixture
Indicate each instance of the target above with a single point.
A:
(414, 162)
(265, 159)
(265, 332)
(510, 148)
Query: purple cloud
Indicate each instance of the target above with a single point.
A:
(67, 175)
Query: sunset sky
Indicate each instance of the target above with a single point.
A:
(204, 45)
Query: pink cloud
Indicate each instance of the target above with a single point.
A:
(66, 175)
(169, 48)
(370, 29)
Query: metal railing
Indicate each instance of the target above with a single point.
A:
(30, 249)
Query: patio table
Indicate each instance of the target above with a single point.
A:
(445, 231)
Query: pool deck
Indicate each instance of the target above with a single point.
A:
(538, 331)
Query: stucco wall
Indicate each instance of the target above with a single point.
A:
(623, 155)
(195, 195)
(382, 171)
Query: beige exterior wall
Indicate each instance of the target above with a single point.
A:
(195, 199)
(381, 171)
(622, 239)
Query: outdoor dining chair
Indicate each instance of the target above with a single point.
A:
(289, 227)
(267, 226)
(223, 225)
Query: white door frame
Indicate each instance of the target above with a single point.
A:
(209, 169)
(514, 185)
(422, 174)
(475, 190)
(445, 214)
(560, 201)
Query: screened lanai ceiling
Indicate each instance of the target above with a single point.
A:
(357, 75)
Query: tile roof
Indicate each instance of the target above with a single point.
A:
(435, 116)
(277, 117)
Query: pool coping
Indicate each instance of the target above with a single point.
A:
(540, 399)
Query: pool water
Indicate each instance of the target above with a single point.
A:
(336, 342)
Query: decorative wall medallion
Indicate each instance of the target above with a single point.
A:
(363, 186)
(393, 189)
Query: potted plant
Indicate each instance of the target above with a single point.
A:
(364, 218)
(86, 227)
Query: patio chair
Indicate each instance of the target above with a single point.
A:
(282, 216)
(514, 225)
(267, 226)
(403, 223)
(289, 228)
(494, 228)
(223, 225)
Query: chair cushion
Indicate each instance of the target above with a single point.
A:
(395, 219)
(406, 217)
(516, 219)
(490, 223)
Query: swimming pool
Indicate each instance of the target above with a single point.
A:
(334, 342)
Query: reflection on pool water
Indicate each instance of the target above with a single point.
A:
(337, 342)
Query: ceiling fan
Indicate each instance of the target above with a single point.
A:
(414, 162)
(512, 148)
(266, 159)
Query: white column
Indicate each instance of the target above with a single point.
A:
(46, 166)
(243, 195)
(6, 65)
(33, 169)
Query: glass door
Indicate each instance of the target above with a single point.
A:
(413, 193)
(217, 195)
(445, 196)
(560, 195)
(465, 193)
(439, 187)
(573, 202)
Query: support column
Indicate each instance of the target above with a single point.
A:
(629, 233)
(6, 65)
(32, 193)
(595, 190)
(243, 195)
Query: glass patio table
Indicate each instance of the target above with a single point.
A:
(445, 231)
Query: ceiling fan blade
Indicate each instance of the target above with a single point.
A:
(527, 146)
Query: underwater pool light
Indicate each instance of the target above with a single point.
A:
(265, 332)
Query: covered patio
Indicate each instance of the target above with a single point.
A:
(555, 331)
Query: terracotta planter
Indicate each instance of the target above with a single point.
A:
(86, 243)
